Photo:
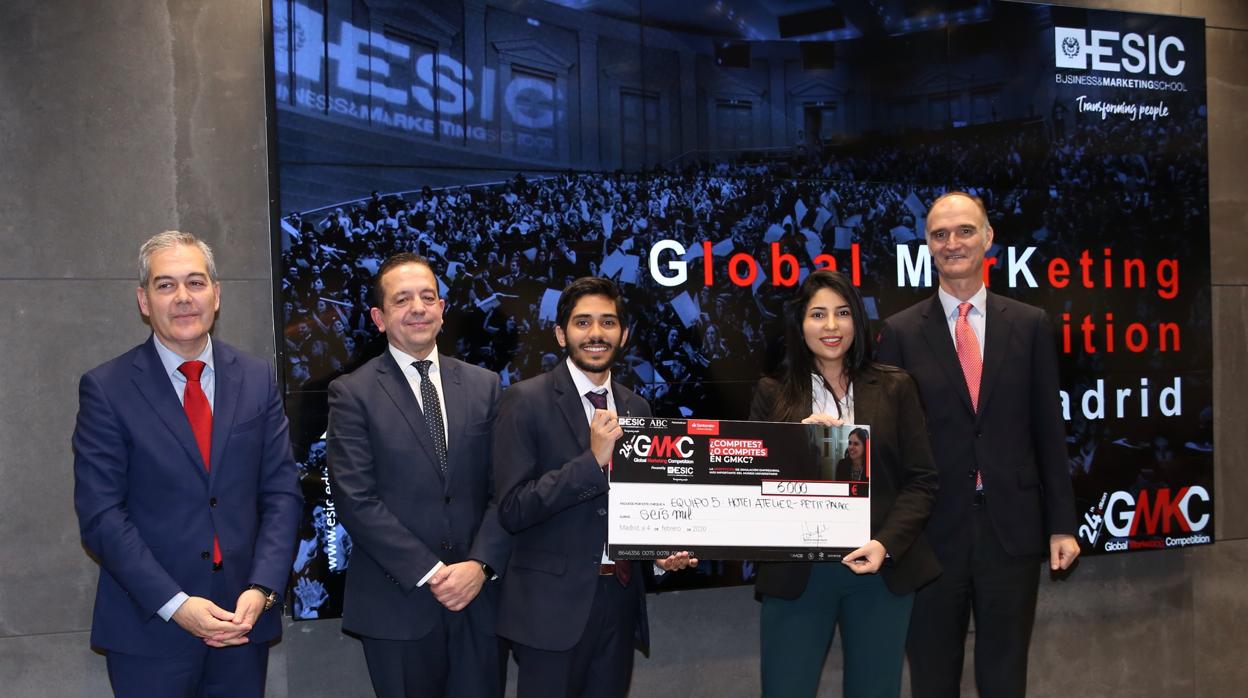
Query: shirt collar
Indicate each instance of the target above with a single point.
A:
(583, 383)
(405, 360)
(950, 303)
(170, 360)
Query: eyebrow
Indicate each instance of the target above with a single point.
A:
(579, 316)
(170, 277)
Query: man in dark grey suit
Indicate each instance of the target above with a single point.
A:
(987, 373)
(409, 458)
(572, 613)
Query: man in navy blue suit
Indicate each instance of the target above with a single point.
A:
(409, 458)
(572, 613)
(186, 493)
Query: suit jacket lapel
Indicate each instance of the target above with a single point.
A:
(149, 377)
(570, 405)
(392, 381)
(456, 411)
(936, 332)
(997, 327)
(866, 398)
(224, 403)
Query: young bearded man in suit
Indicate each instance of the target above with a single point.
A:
(186, 493)
(409, 459)
(572, 613)
(986, 367)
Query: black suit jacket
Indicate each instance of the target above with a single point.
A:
(553, 498)
(1017, 438)
(403, 515)
(903, 482)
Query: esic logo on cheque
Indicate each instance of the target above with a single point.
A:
(1112, 52)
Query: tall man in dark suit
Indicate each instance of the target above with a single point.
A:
(409, 458)
(987, 372)
(572, 613)
(186, 493)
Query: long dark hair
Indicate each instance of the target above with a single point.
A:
(865, 438)
(793, 403)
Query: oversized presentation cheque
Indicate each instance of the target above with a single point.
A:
(731, 490)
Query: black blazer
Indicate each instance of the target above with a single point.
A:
(1017, 439)
(403, 515)
(903, 482)
(553, 498)
(845, 469)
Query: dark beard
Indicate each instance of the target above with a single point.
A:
(579, 361)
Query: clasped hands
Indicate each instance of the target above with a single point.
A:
(216, 626)
(456, 585)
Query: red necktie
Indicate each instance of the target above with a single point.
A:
(199, 414)
(972, 364)
(622, 569)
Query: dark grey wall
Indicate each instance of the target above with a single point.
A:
(124, 118)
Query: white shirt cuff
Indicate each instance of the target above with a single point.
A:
(171, 607)
(429, 574)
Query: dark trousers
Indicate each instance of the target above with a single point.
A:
(1001, 591)
(600, 664)
(227, 672)
(454, 659)
(796, 634)
(208, 672)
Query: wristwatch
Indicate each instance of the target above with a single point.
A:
(270, 596)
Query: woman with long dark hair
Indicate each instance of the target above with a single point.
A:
(854, 466)
(828, 378)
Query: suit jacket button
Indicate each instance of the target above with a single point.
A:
(212, 502)
(446, 545)
(602, 512)
(447, 500)
(204, 554)
(971, 473)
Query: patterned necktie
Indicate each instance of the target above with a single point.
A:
(972, 364)
(597, 399)
(623, 570)
(199, 414)
(433, 411)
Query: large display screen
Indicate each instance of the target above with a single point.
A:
(708, 158)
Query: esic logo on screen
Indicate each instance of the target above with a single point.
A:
(1112, 52)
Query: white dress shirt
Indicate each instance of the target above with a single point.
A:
(584, 385)
(406, 363)
(822, 400)
(170, 360)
